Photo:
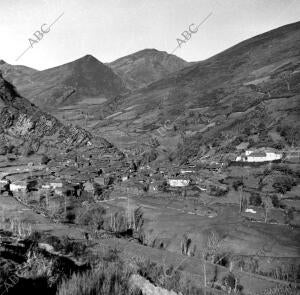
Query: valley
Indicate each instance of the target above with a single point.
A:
(186, 175)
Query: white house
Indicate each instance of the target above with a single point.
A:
(56, 184)
(260, 155)
(178, 182)
(46, 186)
(184, 171)
(18, 186)
(124, 178)
(58, 191)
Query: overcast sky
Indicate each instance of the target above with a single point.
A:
(109, 29)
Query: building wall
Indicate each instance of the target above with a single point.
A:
(178, 182)
(269, 157)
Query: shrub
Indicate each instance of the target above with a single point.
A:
(45, 160)
(237, 183)
(290, 215)
(231, 283)
(275, 201)
(97, 189)
(76, 248)
(283, 184)
(255, 199)
(138, 218)
(93, 218)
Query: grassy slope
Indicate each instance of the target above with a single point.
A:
(218, 87)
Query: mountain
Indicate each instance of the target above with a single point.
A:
(247, 93)
(16, 74)
(69, 83)
(24, 128)
(146, 66)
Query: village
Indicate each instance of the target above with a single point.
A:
(95, 175)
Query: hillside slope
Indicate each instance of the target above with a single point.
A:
(16, 74)
(69, 83)
(244, 93)
(146, 66)
(24, 128)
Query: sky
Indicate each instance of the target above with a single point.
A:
(110, 29)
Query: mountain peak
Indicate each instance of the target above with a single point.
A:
(2, 62)
(88, 58)
(146, 66)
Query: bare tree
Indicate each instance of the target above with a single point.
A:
(238, 186)
(286, 76)
(268, 205)
(213, 245)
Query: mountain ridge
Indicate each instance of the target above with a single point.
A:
(146, 66)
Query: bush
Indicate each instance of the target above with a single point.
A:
(45, 160)
(283, 184)
(275, 201)
(237, 183)
(230, 282)
(93, 218)
(97, 189)
(255, 200)
(138, 218)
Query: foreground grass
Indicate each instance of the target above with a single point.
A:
(107, 278)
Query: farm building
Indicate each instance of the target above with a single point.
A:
(178, 182)
(260, 155)
(18, 186)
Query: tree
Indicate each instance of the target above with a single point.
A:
(283, 184)
(255, 199)
(238, 186)
(213, 245)
(268, 205)
(286, 76)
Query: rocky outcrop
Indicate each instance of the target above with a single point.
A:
(25, 125)
(147, 288)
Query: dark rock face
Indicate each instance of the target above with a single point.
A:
(24, 124)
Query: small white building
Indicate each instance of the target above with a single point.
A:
(56, 184)
(124, 178)
(178, 182)
(18, 186)
(184, 171)
(46, 186)
(260, 155)
(58, 191)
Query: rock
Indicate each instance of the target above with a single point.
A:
(46, 247)
(147, 288)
